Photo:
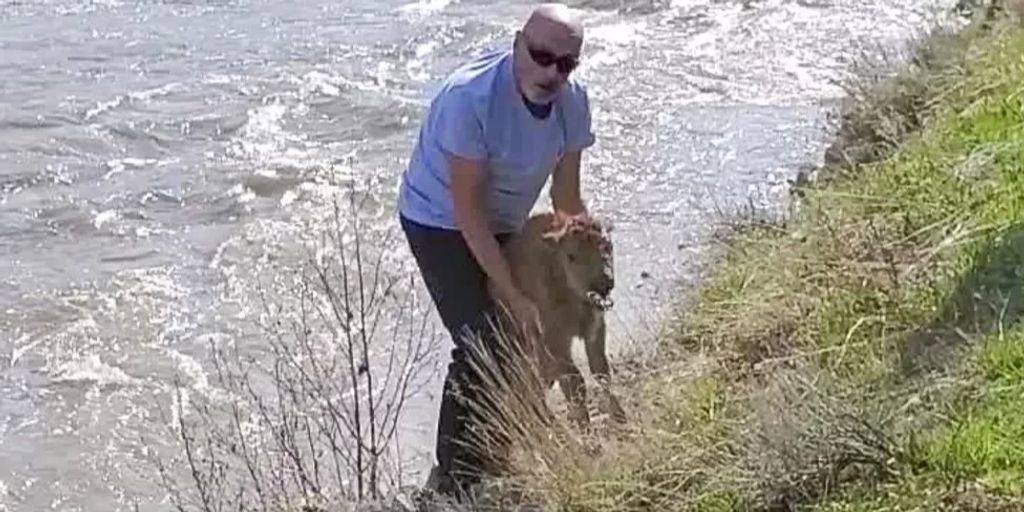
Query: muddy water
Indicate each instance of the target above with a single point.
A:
(155, 156)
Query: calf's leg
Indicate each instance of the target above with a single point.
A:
(594, 341)
(558, 366)
(575, 391)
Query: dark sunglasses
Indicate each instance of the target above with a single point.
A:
(544, 58)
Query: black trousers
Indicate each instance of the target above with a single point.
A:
(458, 288)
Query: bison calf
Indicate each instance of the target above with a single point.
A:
(564, 265)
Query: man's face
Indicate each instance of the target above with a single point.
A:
(544, 59)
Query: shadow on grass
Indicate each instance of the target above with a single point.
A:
(988, 299)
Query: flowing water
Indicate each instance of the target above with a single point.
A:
(155, 154)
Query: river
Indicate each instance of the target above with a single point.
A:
(157, 154)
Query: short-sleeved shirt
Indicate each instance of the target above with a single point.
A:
(479, 113)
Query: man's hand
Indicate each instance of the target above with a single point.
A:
(468, 179)
(527, 316)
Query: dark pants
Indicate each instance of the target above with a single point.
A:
(458, 288)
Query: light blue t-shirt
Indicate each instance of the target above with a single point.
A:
(479, 113)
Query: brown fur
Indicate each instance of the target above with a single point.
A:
(556, 261)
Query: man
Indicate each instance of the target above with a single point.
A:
(500, 126)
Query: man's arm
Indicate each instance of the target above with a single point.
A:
(461, 138)
(468, 178)
(565, 185)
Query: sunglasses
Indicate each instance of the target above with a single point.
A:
(544, 58)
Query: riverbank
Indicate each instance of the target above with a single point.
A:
(866, 352)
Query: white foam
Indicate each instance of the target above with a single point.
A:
(265, 141)
(20, 350)
(152, 282)
(425, 7)
(424, 49)
(104, 217)
(319, 82)
(603, 58)
(615, 42)
(620, 33)
(104, 106)
(219, 79)
(113, 167)
(265, 121)
(139, 96)
(243, 193)
(90, 369)
(139, 162)
(262, 134)
(687, 4)
(119, 165)
(288, 197)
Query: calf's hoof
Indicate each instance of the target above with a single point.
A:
(612, 408)
(579, 417)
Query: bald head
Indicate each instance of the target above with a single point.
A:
(554, 20)
(547, 49)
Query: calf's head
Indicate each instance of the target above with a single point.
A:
(583, 248)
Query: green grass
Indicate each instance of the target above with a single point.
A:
(985, 443)
(867, 353)
(976, 461)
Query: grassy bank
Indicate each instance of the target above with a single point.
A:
(868, 352)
